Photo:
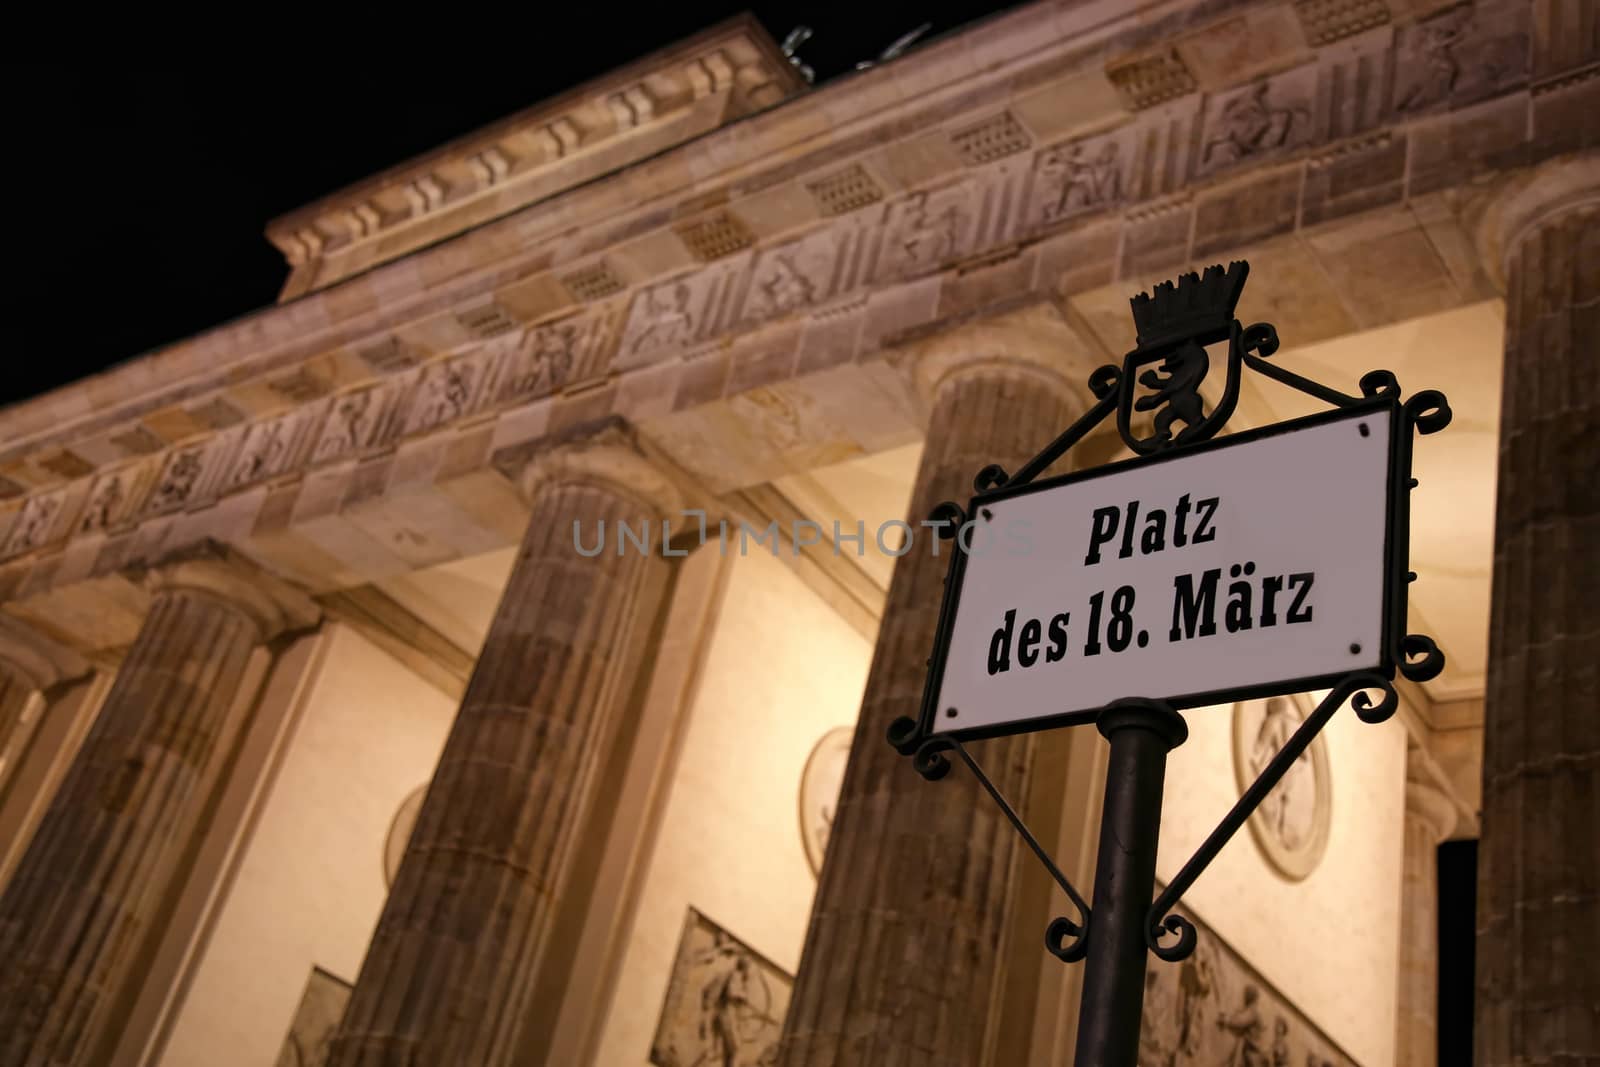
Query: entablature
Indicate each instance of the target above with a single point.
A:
(734, 297)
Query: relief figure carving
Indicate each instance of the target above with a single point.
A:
(668, 322)
(1459, 55)
(34, 525)
(1251, 123)
(784, 287)
(179, 480)
(1431, 60)
(262, 451)
(444, 396)
(1071, 181)
(350, 425)
(546, 362)
(929, 236)
(102, 504)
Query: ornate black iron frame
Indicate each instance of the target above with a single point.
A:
(1415, 656)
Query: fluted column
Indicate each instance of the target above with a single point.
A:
(14, 693)
(1429, 818)
(29, 663)
(900, 959)
(448, 977)
(1538, 937)
(74, 916)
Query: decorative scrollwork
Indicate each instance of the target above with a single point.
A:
(1260, 339)
(1379, 383)
(1172, 924)
(1056, 939)
(949, 517)
(1418, 658)
(991, 477)
(930, 762)
(1365, 709)
(1105, 381)
(905, 735)
(1428, 411)
(1352, 687)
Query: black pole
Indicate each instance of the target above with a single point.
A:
(1141, 733)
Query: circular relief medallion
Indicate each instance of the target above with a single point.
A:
(405, 820)
(819, 791)
(1291, 825)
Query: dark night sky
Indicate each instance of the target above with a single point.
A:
(138, 216)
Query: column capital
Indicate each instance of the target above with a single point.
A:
(1035, 342)
(1428, 801)
(41, 662)
(606, 453)
(1531, 199)
(222, 572)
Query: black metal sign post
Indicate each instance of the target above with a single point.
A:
(1175, 326)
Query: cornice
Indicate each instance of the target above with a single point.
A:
(696, 85)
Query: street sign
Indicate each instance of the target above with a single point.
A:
(1207, 571)
(1250, 565)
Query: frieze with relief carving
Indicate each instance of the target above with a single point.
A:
(1463, 54)
(358, 419)
(1079, 177)
(105, 506)
(178, 481)
(674, 315)
(269, 448)
(1449, 58)
(1267, 118)
(805, 272)
(927, 229)
(443, 393)
(34, 525)
(550, 357)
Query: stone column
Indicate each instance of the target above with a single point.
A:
(14, 694)
(900, 964)
(1430, 818)
(29, 663)
(449, 974)
(75, 915)
(1538, 939)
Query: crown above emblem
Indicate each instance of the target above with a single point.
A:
(1196, 306)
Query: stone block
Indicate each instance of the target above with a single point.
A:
(1235, 50)
(1289, 288)
(1385, 268)
(1451, 149)
(1078, 260)
(893, 310)
(1154, 240)
(590, 405)
(831, 337)
(974, 288)
(762, 359)
(647, 392)
(524, 423)
(1246, 212)
(1564, 114)
(1354, 176)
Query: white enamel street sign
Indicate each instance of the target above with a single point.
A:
(1237, 567)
